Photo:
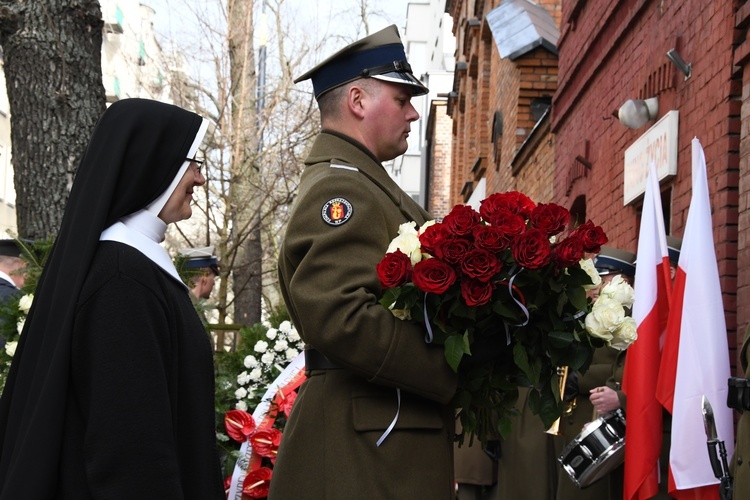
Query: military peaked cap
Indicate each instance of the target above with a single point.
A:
(611, 260)
(380, 55)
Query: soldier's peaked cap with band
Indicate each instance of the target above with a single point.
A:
(380, 55)
(615, 261)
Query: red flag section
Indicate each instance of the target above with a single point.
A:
(643, 432)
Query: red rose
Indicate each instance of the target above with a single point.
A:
(568, 252)
(257, 482)
(394, 270)
(475, 292)
(491, 238)
(509, 223)
(239, 425)
(432, 237)
(593, 237)
(550, 218)
(461, 220)
(532, 249)
(513, 201)
(266, 442)
(433, 276)
(452, 250)
(480, 264)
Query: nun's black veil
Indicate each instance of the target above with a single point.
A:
(135, 152)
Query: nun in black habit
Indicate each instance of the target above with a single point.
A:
(110, 394)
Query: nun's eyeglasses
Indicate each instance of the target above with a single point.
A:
(199, 163)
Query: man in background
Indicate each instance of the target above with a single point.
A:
(203, 268)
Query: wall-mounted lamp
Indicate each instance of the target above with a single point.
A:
(679, 62)
(635, 113)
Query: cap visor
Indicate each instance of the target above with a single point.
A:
(405, 78)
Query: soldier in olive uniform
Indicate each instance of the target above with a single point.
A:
(372, 419)
(598, 391)
(739, 397)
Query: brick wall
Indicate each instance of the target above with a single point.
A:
(491, 86)
(441, 140)
(614, 51)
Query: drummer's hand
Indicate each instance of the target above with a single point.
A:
(604, 399)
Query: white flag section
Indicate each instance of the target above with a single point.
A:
(703, 356)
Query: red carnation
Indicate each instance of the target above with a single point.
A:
(550, 218)
(480, 264)
(239, 425)
(266, 442)
(593, 237)
(532, 249)
(431, 237)
(513, 201)
(452, 250)
(491, 238)
(461, 220)
(476, 292)
(433, 276)
(394, 270)
(568, 252)
(257, 483)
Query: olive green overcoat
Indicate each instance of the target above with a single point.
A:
(606, 369)
(329, 281)
(740, 464)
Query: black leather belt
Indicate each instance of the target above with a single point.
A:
(314, 360)
(738, 395)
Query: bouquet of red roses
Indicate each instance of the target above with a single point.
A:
(504, 295)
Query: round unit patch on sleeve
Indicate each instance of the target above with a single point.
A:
(336, 211)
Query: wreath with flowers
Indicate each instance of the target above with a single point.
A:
(506, 297)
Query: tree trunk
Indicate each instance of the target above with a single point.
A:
(52, 59)
(245, 217)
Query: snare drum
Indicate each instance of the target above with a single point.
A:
(596, 451)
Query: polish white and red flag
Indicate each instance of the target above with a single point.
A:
(643, 432)
(695, 357)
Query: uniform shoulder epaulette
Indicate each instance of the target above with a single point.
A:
(344, 167)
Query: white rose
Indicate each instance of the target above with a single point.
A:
(272, 333)
(285, 327)
(261, 346)
(407, 241)
(256, 374)
(605, 318)
(240, 393)
(620, 290)
(588, 266)
(402, 314)
(268, 358)
(291, 354)
(243, 379)
(426, 225)
(281, 345)
(19, 325)
(241, 405)
(10, 348)
(250, 361)
(24, 304)
(293, 335)
(625, 335)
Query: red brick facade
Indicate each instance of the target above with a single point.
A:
(491, 108)
(440, 141)
(610, 52)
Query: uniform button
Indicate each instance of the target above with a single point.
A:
(739, 460)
